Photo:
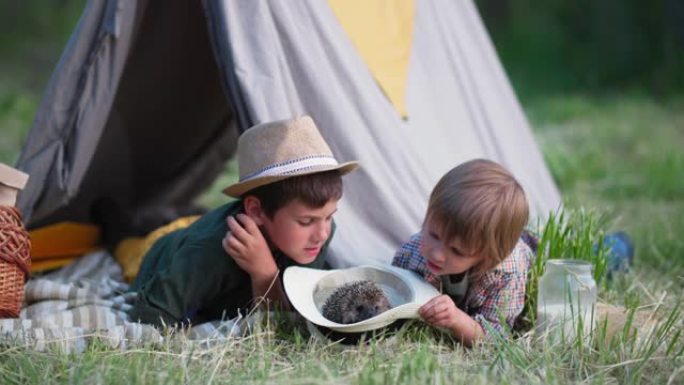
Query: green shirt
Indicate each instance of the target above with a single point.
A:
(186, 276)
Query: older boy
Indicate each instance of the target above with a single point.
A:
(289, 186)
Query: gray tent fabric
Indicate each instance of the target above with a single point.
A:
(149, 97)
(134, 112)
(75, 108)
(459, 100)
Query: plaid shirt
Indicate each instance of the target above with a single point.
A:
(494, 297)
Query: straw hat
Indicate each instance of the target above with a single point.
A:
(308, 289)
(273, 151)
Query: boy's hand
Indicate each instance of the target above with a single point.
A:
(247, 246)
(441, 311)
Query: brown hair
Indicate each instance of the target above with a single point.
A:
(314, 190)
(480, 203)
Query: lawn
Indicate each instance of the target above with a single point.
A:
(616, 157)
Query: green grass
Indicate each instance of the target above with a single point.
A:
(623, 156)
(415, 355)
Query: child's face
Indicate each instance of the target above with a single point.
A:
(444, 257)
(300, 231)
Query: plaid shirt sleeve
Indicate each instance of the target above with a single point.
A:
(408, 257)
(498, 297)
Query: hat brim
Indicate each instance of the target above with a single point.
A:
(238, 189)
(307, 289)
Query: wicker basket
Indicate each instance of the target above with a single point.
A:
(15, 259)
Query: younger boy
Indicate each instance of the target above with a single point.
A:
(289, 186)
(470, 247)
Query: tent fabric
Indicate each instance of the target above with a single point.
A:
(459, 102)
(381, 32)
(149, 96)
(58, 244)
(59, 148)
(134, 111)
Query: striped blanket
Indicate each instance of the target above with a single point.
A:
(86, 302)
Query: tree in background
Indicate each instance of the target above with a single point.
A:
(587, 45)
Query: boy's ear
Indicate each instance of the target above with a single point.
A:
(253, 209)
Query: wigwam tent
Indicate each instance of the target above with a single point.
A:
(149, 96)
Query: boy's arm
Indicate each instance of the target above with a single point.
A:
(498, 298)
(442, 312)
(174, 293)
(246, 245)
(495, 301)
(496, 307)
(271, 291)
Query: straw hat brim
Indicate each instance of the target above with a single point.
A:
(238, 189)
(307, 289)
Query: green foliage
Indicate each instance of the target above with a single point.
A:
(213, 196)
(21, 20)
(569, 234)
(662, 179)
(560, 46)
(263, 357)
(16, 111)
(621, 156)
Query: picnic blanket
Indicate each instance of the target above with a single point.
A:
(87, 301)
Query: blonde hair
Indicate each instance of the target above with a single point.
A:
(483, 206)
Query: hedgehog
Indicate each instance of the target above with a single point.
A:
(354, 302)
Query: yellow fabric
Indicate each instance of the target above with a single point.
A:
(381, 32)
(130, 252)
(50, 264)
(58, 244)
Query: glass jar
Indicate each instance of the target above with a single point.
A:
(566, 298)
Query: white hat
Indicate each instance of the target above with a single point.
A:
(308, 289)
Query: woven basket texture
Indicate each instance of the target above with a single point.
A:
(15, 259)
